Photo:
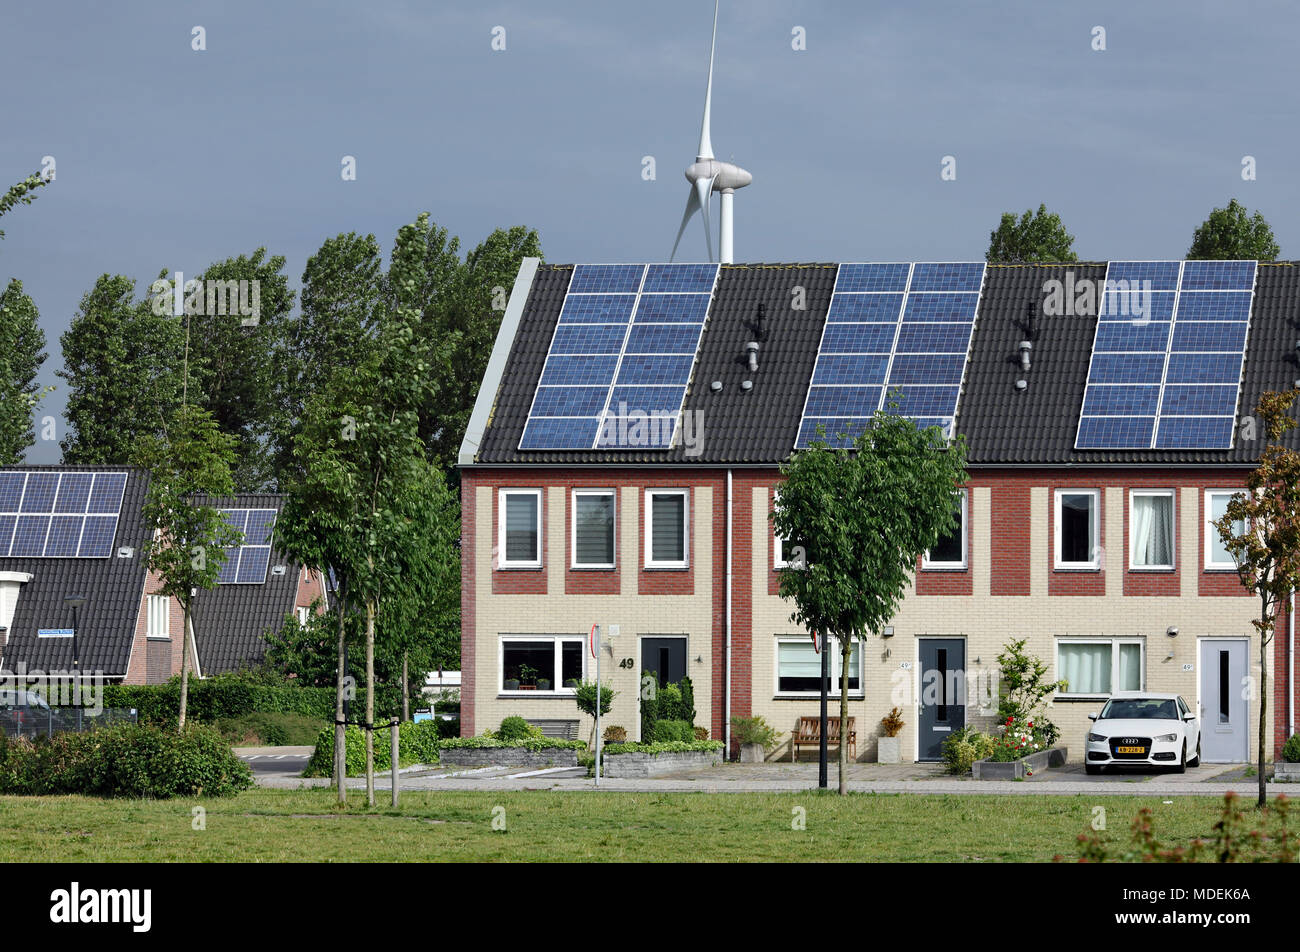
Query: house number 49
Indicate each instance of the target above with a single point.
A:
(625, 663)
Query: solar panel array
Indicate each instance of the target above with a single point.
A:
(1167, 356)
(621, 357)
(59, 515)
(247, 564)
(894, 331)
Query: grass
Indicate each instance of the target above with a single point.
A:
(305, 826)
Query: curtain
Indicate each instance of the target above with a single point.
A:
(1152, 529)
(1130, 667)
(1085, 668)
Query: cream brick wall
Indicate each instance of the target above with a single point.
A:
(556, 612)
(987, 622)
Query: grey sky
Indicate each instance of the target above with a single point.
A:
(171, 158)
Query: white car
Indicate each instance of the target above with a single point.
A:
(1139, 727)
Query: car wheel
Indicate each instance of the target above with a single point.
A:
(1182, 760)
(1196, 761)
(1092, 769)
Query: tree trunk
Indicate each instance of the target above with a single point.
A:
(1263, 715)
(846, 651)
(406, 690)
(370, 702)
(340, 730)
(185, 664)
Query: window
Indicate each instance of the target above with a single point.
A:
(592, 540)
(778, 543)
(950, 551)
(1092, 668)
(1078, 539)
(304, 616)
(519, 528)
(159, 609)
(798, 667)
(665, 538)
(1151, 529)
(541, 663)
(1216, 554)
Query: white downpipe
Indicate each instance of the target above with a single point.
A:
(726, 696)
(726, 253)
(1290, 669)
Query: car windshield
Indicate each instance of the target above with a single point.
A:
(1140, 709)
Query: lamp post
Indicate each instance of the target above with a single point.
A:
(75, 602)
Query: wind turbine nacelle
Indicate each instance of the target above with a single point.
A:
(724, 174)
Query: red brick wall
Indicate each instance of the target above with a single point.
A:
(137, 671)
(1009, 571)
(520, 581)
(951, 581)
(664, 581)
(310, 587)
(593, 581)
(1154, 581)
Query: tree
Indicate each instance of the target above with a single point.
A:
(858, 520)
(21, 343)
(21, 193)
(1036, 236)
(1261, 528)
(187, 540)
(1231, 234)
(123, 363)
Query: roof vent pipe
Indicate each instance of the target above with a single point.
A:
(1025, 348)
(1022, 383)
(752, 349)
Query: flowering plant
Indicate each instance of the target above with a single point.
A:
(1020, 738)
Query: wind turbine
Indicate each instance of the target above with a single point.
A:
(707, 175)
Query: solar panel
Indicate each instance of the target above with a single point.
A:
(59, 515)
(621, 357)
(246, 564)
(896, 338)
(1167, 374)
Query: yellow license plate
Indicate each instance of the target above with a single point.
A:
(1130, 750)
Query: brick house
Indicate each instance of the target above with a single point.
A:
(1089, 539)
(68, 531)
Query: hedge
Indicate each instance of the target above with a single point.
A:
(530, 743)
(417, 744)
(131, 760)
(669, 747)
(218, 698)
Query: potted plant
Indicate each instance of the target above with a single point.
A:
(889, 749)
(615, 734)
(543, 684)
(527, 678)
(755, 736)
(1288, 768)
(511, 684)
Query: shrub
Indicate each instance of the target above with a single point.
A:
(417, 744)
(516, 728)
(270, 729)
(127, 760)
(701, 733)
(662, 747)
(754, 730)
(962, 748)
(531, 743)
(448, 728)
(1024, 689)
(674, 730)
(892, 723)
(1291, 750)
(614, 735)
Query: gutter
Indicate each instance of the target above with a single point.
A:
(496, 366)
(726, 691)
(1290, 670)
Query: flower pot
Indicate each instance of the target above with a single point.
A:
(752, 753)
(1288, 772)
(510, 684)
(543, 684)
(889, 750)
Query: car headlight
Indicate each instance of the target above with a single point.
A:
(1097, 738)
(1167, 738)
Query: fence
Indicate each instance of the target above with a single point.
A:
(47, 721)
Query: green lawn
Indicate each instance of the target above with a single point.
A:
(288, 826)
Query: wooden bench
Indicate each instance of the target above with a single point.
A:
(560, 729)
(808, 734)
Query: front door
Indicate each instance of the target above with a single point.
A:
(943, 694)
(664, 659)
(1225, 702)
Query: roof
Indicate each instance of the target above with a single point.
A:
(112, 587)
(231, 621)
(1003, 426)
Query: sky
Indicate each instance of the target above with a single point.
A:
(168, 157)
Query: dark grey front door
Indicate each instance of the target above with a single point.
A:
(664, 659)
(943, 694)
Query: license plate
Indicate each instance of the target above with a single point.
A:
(1130, 750)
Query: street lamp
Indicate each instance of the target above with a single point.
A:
(75, 602)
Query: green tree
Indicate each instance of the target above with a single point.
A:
(123, 365)
(1261, 528)
(186, 540)
(21, 355)
(1035, 236)
(1231, 234)
(857, 521)
(21, 193)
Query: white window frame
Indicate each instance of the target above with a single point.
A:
(1173, 530)
(1212, 534)
(304, 615)
(778, 543)
(830, 644)
(502, 560)
(573, 528)
(1095, 563)
(557, 690)
(928, 563)
(650, 493)
(1114, 643)
(150, 602)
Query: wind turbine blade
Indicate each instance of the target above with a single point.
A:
(691, 200)
(706, 143)
(704, 189)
